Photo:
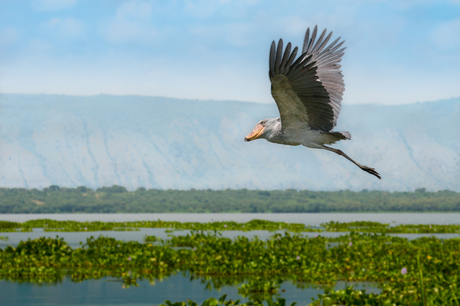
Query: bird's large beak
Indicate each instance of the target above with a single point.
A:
(255, 133)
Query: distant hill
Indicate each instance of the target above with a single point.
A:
(165, 143)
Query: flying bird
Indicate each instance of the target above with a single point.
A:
(308, 92)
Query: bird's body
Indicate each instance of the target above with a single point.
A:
(308, 92)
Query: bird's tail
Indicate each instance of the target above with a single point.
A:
(331, 137)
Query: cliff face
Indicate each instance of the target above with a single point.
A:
(166, 143)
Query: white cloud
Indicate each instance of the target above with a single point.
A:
(219, 50)
(135, 9)
(201, 8)
(8, 36)
(447, 35)
(52, 5)
(399, 85)
(235, 34)
(132, 22)
(39, 47)
(67, 28)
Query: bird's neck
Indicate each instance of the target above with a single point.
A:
(275, 133)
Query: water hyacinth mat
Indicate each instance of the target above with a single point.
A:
(49, 225)
(421, 271)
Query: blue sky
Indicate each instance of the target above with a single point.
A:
(397, 51)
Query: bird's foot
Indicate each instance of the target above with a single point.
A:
(371, 171)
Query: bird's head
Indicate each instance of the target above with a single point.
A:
(261, 130)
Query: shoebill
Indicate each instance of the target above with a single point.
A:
(308, 92)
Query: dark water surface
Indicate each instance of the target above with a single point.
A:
(110, 291)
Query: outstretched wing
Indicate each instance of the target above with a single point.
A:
(308, 90)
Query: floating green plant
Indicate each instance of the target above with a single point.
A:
(9, 224)
(259, 289)
(388, 260)
(259, 286)
(222, 302)
(49, 225)
(152, 239)
(8, 230)
(376, 227)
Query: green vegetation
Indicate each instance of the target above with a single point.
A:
(389, 260)
(223, 302)
(49, 225)
(117, 199)
(348, 296)
(422, 271)
(259, 289)
(259, 285)
(376, 227)
(8, 226)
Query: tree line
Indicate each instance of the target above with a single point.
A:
(117, 199)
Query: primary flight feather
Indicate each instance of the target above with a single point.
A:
(308, 92)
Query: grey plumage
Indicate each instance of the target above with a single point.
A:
(308, 92)
(315, 78)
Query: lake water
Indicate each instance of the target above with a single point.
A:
(179, 287)
(73, 239)
(109, 291)
(313, 219)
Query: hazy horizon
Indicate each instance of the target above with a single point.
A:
(165, 143)
(213, 100)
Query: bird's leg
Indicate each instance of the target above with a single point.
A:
(364, 168)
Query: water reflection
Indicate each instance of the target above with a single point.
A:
(178, 287)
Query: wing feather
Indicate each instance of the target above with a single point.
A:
(271, 60)
(312, 40)
(306, 41)
(332, 50)
(331, 45)
(279, 52)
(286, 56)
(291, 58)
(309, 89)
(318, 43)
(323, 44)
